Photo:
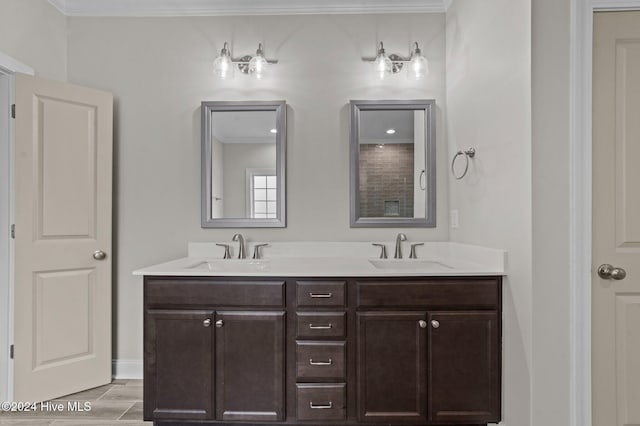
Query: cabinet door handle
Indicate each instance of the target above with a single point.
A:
(321, 406)
(321, 327)
(219, 323)
(435, 324)
(207, 322)
(321, 295)
(312, 362)
(422, 324)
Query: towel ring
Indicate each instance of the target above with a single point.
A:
(469, 153)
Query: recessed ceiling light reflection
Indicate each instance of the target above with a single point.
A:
(273, 131)
(391, 131)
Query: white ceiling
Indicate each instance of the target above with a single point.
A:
(243, 7)
(374, 125)
(243, 126)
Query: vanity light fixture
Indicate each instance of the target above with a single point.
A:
(255, 66)
(385, 65)
(223, 64)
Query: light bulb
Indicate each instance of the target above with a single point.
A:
(223, 65)
(419, 65)
(258, 64)
(382, 65)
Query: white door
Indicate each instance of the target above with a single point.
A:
(6, 82)
(616, 219)
(63, 158)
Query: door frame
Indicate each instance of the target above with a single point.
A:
(8, 67)
(580, 187)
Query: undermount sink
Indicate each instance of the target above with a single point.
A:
(232, 265)
(409, 264)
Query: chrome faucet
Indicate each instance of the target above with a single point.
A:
(240, 239)
(399, 238)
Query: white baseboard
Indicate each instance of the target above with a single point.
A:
(127, 369)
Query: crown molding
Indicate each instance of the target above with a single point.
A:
(247, 7)
(616, 5)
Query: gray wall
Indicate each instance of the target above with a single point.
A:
(238, 157)
(159, 70)
(35, 33)
(489, 108)
(551, 300)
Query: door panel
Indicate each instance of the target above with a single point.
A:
(66, 190)
(391, 366)
(250, 366)
(179, 372)
(616, 219)
(63, 169)
(464, 367)
(62, 331)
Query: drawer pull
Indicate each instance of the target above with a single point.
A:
(312, 362)
(321, 406)
(321, 295)
(321, 327)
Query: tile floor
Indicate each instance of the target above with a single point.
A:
(116, 404)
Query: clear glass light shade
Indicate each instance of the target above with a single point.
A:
(222, 66)
(258, 65)
(382, 66)
(418, 67)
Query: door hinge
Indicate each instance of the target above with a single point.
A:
(13, 231)
(13, 110)
(11, 352)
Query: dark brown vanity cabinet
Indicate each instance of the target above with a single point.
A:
(317, 351)
(392, 357)
(464, 367)
(178, 364)
(221, 363)
(429, 351)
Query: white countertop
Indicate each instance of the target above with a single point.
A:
(335, 259)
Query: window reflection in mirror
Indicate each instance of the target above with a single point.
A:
(243, 179)
(393, 170)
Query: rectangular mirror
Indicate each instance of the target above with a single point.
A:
(243, 164)
(393, 176)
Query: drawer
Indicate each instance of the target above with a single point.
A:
(320, 360)
(320, 293)
(321, 324)
(436, 293)
(205, 291)
(321, 401)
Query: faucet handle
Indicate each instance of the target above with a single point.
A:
(256, 250)
(227, 255)
(383, 250)
(413, 255)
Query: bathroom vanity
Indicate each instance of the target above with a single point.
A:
(322, 341)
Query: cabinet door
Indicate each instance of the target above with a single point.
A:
(391, 366)
(178, 369)
(464, 367)
(250, 366)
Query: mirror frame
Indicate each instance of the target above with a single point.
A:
(207, 108)
(429, 221)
